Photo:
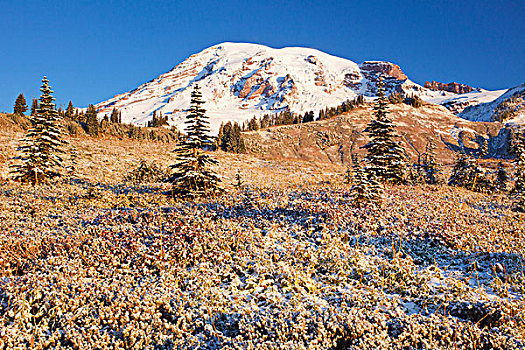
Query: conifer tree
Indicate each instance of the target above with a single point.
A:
(92, 124)
(40, 153)
(519, 162)
(191, 174)
(114, 118)
(483, 149)
(20, 105)
(365, 190)
(70, 111)
(430, 165)
(385, 155)
(501, 178)
(34, 107)
(197, 124)
(461, 171)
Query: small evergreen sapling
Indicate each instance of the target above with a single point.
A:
(365, 190)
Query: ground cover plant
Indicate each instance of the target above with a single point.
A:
(285, 261)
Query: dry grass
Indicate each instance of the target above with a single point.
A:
(284, 263)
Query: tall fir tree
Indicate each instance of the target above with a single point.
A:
(114, 116)
(70, 111)
(34, 107)
(519, 163)
(192, 175)
(386, 159)
(20, 105)
(41, 149)
(197, 124)
(483, 149)
(501, 178)
(92, 124)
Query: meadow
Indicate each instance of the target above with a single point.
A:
(283, 261)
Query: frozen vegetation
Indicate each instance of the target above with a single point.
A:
(284, 261)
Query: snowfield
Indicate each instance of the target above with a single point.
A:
(241, 80)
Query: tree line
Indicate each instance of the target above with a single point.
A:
(40, 154)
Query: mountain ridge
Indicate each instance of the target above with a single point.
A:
(240, 80)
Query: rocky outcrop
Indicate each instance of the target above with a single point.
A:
(383, 68)
(450, 87)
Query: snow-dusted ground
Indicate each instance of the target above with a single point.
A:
(285, 262)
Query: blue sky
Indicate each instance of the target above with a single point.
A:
(92, 50)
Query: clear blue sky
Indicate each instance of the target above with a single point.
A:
(91, 50)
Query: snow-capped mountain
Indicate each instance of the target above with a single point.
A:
(507, 108)
(241, 80)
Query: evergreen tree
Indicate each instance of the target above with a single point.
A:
(197, 124)
(519, 184)
(365, 190)
(230, 138)
(483, 149)
(396, 98)
(385, 156)
(253, 124)
(467, 173)
(191, 174)
(92, 124)
(34, 107)
(519, 162)
(40, 153)
(114, 118)
(20, 105)
(501, 178)
(430, 165)
(461, 171)
(70, 111)
(239, 183)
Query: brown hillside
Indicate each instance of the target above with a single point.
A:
(334, 139)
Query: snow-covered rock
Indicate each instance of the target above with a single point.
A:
(507, 108)
(240, 80)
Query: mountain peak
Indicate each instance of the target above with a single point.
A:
(240, 80)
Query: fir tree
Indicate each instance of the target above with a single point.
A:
(519, 163)
(461, 171)
(92, 124)
(430, 165)
(365, 190)
(483, 149)
(385, 156)
(239, 183)
(20, 105)
(70, 111)
(41, 149)
(197, 124)
(501, 178)
(191, 174)
(34, 107)
(467, 173)
(114, 118)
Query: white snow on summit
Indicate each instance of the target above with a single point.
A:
(240, 80)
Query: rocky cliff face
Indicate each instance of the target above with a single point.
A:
(450, 87)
